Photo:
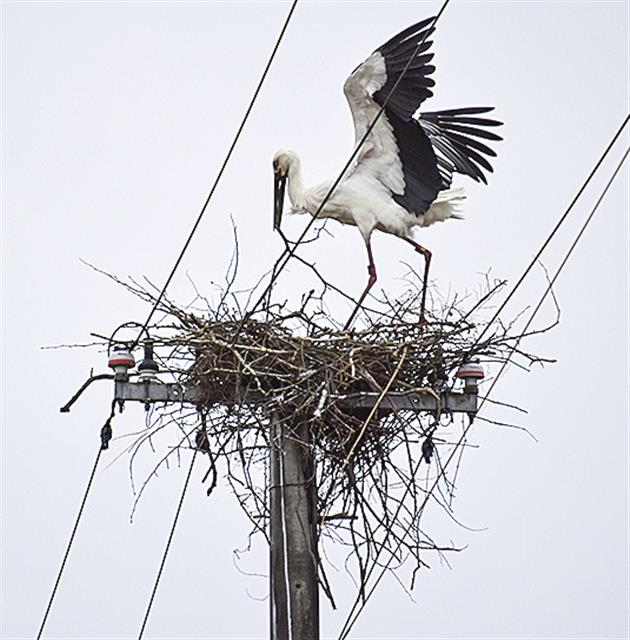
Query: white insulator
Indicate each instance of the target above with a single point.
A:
(121, 360)
(471, 373)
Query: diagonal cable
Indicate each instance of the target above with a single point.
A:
(168, 546)
(555, 277)
(219, 175)
(106, 434)
(69, 546)
(553, 232)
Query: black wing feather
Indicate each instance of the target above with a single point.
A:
(466, 141)
(445, 113)
(474, 131)
(484, 122)
(459, 161)
(394, 43)
(404, 49)
(404, 52)
(446, 131)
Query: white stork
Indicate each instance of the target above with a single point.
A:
(401, 177)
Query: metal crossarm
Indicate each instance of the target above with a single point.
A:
(420, 400)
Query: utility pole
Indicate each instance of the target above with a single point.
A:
(294, 586)
(278, 591)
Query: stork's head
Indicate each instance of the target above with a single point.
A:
(282, 162)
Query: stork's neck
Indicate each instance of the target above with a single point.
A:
(296, 186)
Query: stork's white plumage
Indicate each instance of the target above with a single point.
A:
(401, 177)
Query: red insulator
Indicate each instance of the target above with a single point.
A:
(470, 372)
(121, 360)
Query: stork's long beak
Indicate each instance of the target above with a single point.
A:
(280, 182)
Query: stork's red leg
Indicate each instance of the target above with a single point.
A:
(427, 261)
(370, 284)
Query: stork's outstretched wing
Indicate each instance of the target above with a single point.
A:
(454, 135)
(413, 158)
(398, 152)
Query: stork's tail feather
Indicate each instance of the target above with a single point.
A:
(450, 195)
(445, 206)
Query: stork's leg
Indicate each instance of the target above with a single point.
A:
(427, 261)
(370, 284)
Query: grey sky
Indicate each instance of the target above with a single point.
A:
(115, 118)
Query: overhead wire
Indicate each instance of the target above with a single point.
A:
(365, 596)
(555, 230)
(105, 435)
(219, 175)
(168, 545)
(551, 282)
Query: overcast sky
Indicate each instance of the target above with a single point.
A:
(115, 119)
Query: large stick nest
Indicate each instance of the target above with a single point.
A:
(313, 377)
(375, 470)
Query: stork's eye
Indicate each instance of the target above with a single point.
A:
(275, 165)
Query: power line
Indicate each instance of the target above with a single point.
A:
(352, 616)
(555, 276)
(553, 232)
(288, 252)
(168, 546)
(106, 434)
(69, 546)
(219, 175)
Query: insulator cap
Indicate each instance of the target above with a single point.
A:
(148, 363)
(471, 370)
(121, 359)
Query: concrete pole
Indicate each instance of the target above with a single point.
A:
(294, 585)
(278, 614)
